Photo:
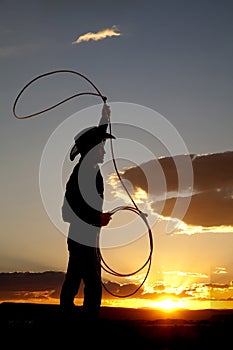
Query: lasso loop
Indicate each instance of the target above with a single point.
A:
(97, 93)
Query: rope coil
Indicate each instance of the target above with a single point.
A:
(109, 270)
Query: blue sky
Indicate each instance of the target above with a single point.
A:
(174, 57)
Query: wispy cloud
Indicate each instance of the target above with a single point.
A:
(18, 50)
(100, 35)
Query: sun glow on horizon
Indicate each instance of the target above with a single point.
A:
(167, 305)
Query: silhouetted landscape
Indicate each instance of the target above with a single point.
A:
(34, 325)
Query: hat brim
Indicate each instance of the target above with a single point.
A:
(106, 135)
(74, 152)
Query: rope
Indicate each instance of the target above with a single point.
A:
(133, 208)
(98, 93)
(136, 210)
(106, 267)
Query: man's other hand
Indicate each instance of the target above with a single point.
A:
(105, 218)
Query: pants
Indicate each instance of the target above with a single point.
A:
(82, 265)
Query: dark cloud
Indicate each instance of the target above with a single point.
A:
(26, 285)
(213, 171)
(212, 197)
(45, 286)
(120, 290)
(209, 208)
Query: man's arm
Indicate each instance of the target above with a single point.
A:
(105, 118)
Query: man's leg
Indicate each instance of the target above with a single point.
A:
(71, 283)
(92, 285)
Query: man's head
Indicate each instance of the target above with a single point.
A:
(89, 138)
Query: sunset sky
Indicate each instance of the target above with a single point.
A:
(166, 69)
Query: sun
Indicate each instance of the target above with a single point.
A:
(167, 304)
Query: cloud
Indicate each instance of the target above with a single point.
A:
(220, 271)
(186, 274)
(102, 34)
(45, 287)
(18, 50)
(211, 201)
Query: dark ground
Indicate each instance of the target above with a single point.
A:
(36, 325)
